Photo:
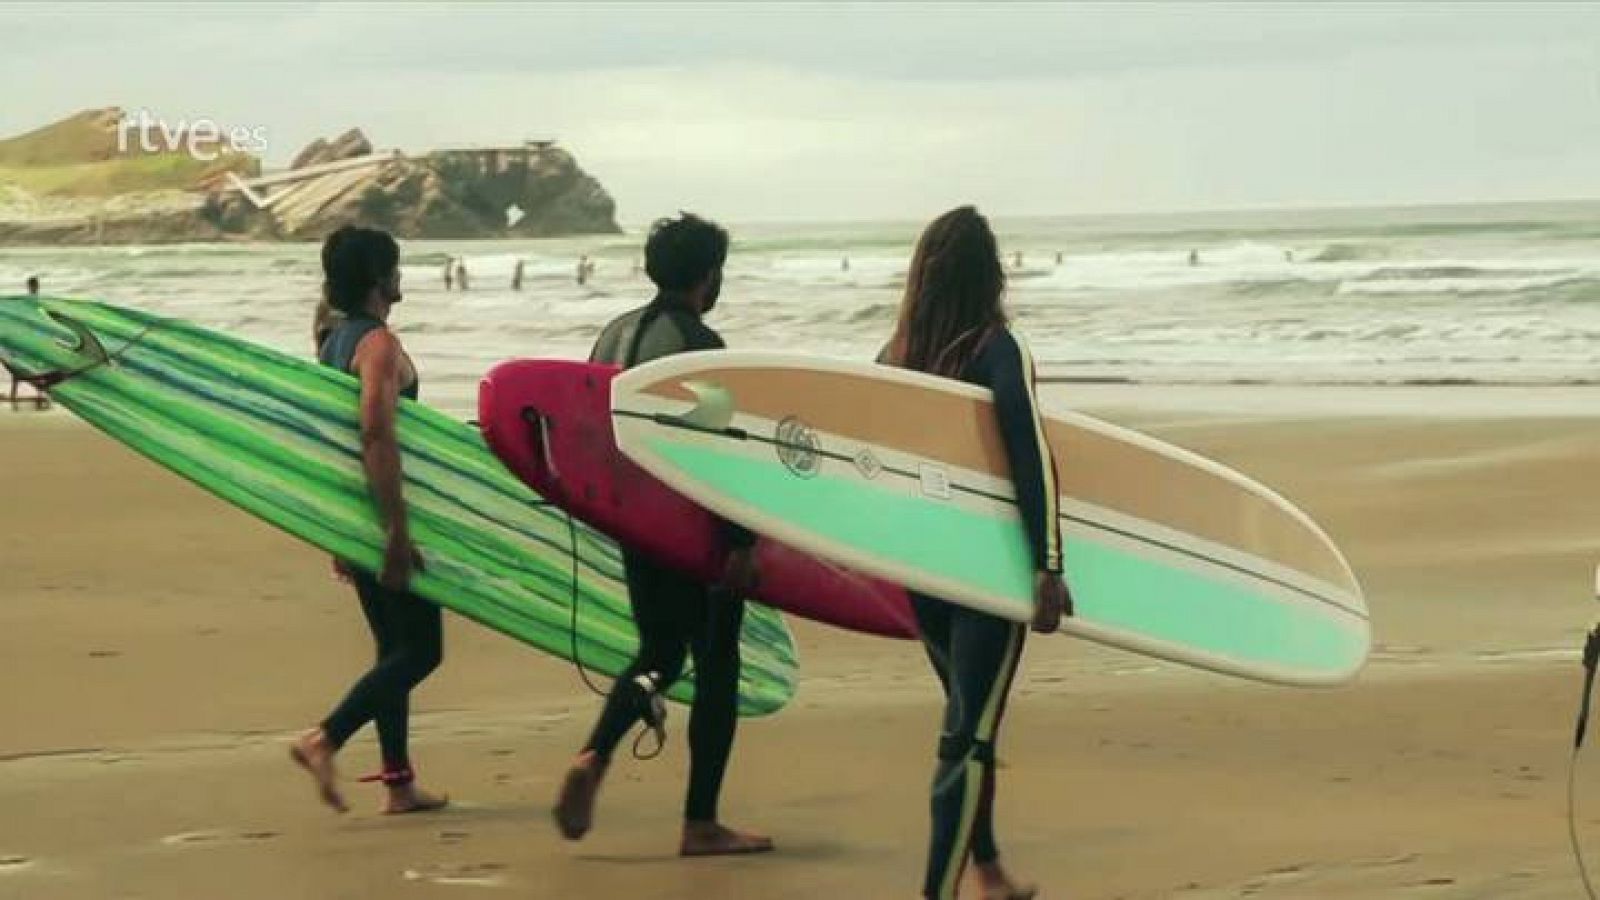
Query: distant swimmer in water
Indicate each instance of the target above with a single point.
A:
(1194, 257)
(449, 273)
(516, 276)
(361, 267)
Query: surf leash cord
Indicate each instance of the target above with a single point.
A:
(655, 717)
(655, 712)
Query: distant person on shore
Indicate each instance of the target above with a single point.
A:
(1060, 257)
(1288, 256)
(361, 269)
(1194, 257)
(40, 399)
(1016, 260)
(844, 264)
(516, 276)
(952, 324)
(449, 273)
(677, 616)
(461, 272)
(585, 270)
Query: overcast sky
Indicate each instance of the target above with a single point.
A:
(893, 110)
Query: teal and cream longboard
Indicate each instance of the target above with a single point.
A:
(278, 437)
(904, 476)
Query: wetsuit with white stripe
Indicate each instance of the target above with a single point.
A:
(975, 654)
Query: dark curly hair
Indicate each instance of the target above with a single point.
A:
(681, 252)
(354, 261)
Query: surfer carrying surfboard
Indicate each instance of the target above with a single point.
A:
(952, 324)
(675, 614)
(361, 267)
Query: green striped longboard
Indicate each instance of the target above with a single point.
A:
(279, 437)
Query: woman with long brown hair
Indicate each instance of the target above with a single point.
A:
(361, 268)
(952, 324)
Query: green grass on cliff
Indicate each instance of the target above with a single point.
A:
(79, 157)
(165, 171)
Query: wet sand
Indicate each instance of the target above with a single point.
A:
(159, 649)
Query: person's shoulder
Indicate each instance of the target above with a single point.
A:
(623, 320)
(377, 338)
(696, 333)
(999, 344)
(1005, 343)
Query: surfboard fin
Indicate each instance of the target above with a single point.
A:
(83, 342)
(86, 343)
(713, 407)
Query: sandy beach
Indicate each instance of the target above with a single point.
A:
(160, 647)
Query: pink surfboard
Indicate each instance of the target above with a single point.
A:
(549, 421)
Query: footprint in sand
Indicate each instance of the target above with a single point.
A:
(1404, 859)
(214, 836)
(460, 874)
(1273, 879)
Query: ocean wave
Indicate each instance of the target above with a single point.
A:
(1457, 229)
(876, 312)
(1296, 288)
(1340, 300)
(1460, 285)
(1424, 272)
(1344, 252)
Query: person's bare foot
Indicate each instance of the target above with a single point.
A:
(408, 798)
(312, 752)
(714, 839)
(997, 884)
(574, 809)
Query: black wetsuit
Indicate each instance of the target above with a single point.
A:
(406, 628)
(975, 654)
(676, 615)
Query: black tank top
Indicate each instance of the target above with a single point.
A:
(339, 348)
